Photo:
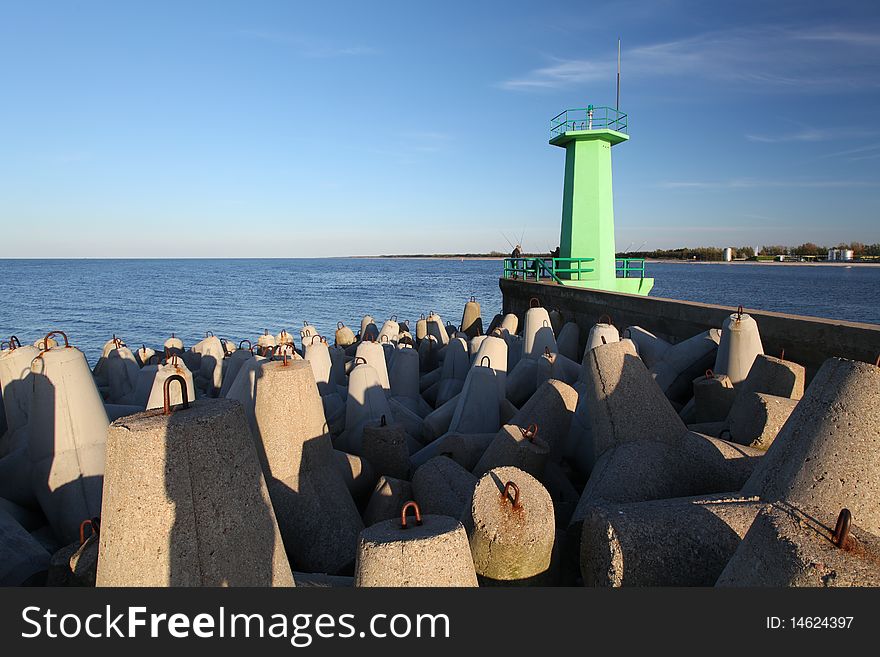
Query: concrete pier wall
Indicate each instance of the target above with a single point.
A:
(806, 340)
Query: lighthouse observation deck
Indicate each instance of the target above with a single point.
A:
(588, 118)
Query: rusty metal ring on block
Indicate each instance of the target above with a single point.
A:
(359, 358)
(602, 338)
(508, 486)
(710, 374)
(91, 523)
(320, 339)
(841, 529)
(339, 325)
(383, 422)
(250, 344)
(4, 342)
(14, 342)
(166, 393)
(422, 316)
(605, 316)
(473, 299)
(384, 339)
(534, 303)
(393, 318)
(739, 313)
(530, 432)
(117, 342)
(412, 504)
(782, 354)
(488, 361)
(50, 334)
(369, 337)
(209, 334)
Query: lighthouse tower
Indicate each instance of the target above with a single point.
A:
(587, 256)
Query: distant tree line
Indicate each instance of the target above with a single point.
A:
(707, 253)
(713, 253)
(810, 249)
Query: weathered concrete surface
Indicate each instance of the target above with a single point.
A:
(774, 376)
(740, 345)
(477, 407)
(624, 402)
(385, 447)
(713, 397)
(67, 430)
(16, 387)
(786, 546)
(75, 564)
(683, 362)
(673, 542)
(756, 418)
(827, 456)
(21, 556)
(433, 553)
(463, 448)
(441, 486)
(551, 409)
(510, 541)
(168, 519)
(387, 499)
(357, 473)
(322, 580)
(806, 340)
(317, 516)
(515, 446)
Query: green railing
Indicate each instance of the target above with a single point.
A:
(571, 269)
(588, 118)
(547, 268)
(626, 266)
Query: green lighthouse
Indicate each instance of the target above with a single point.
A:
(587, 237)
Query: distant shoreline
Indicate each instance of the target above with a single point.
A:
(669, 261)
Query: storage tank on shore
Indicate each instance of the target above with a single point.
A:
(846, 255)
(727, 254)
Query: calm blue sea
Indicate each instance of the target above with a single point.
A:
(143, 301)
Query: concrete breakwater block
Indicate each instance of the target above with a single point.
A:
(623, 400)
(67, 430)
(175, 366)
(374, 356)
(683, 362)
(317, 516)
(516, 446)
(493, 353)
(644, 470)
(650, 347)
(557, 366)
(366, 401)
(121, 369)
(75, 564)
(672, 542)
(774, 376)
(522, 381)
(16, 386)
(15, 475)
(22, 558)
(510, 525)
(786, 546)
(477, 407)
(456, 364)
(424, 550)
(568, 341)
(385, 446)
(537, 333)
(357, 473)
(404, 375)
(739, 346)
(471, 319)
(388, 497)
(441, 486)
(713, 397)
(551, 409)
(602, 333)
(344, 336)
(168, 519)
(437, 422)
(463, 448)
(756, 418)
(827, 455)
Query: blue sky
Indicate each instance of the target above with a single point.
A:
(308, 129)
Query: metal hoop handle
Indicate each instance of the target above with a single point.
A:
(488, 361)
(841, 529)
(339, 325)
(710, 374)
(412, 504)
(530, 432)
(166, 393)
(534, 303)
(359, 358)
(49, 335)
(605, 316)
(508, 486)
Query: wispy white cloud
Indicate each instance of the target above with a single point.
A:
(807, 134)
(754, 183)
(779, 58)
(308, 46)
(869, 151)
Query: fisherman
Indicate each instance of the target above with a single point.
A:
(517, 252)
